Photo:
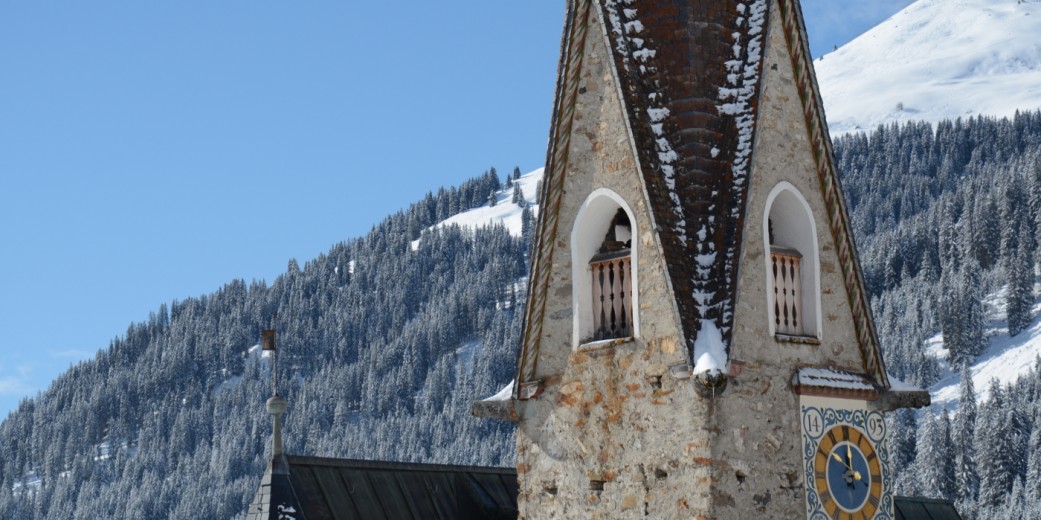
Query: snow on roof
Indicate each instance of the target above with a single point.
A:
(690, 96)
(626, 36)
(830, 382)
(897, 385)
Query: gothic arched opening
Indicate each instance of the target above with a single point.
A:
(603, 253)
(792, 264)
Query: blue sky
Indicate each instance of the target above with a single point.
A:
(152, 151)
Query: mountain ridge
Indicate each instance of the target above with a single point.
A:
(936, 60)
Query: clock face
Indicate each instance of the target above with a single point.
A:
(846, 464)
(847, 473)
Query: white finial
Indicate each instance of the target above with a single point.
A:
(276, 406)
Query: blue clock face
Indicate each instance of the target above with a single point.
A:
(847, 473)
(849, 477)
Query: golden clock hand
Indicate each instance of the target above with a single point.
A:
(836, 457)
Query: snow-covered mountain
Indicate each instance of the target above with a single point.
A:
(934, 60)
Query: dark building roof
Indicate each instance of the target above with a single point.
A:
(312, 488)
(688, 72)
(917, 508)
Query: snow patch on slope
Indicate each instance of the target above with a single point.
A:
(935, 60)
(1005, 359)
(504, 211)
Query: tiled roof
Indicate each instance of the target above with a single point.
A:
(689, 74)
(339, 489)
(918, 508)
(312, 488)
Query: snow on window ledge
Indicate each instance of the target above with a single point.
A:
(790, 338)
(604, 344)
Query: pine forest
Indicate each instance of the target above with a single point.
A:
(384, 342)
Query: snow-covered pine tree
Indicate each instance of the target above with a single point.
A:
(1015, 506)
(985, 229)
(518, 195)
(527, 224)
(1013, 209)
(1034, 181)
(1019, 272)
(903, 427)
(967, 480)
(1033, 480)
(936, 457)
(995, 446)
(950, 252)
(970, 300)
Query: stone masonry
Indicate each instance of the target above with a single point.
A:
(617, 432)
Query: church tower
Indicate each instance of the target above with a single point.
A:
(698, 341)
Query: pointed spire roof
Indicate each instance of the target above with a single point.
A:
(688, 72)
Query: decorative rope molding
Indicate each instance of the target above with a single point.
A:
(553, 189)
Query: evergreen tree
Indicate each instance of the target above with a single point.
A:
(1033, 477)
(516, 172)
(1014, 506)
(963, 321)
(986, 230)
(1033, 175)
(1013, 215)
(518, 195)
(527, 224)
(995, 446)
(1020, 295)
(950, 251)
(936, 458)
(963, 436)
(903, 427)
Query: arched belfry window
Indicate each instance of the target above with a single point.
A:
(603, 253)
(612, 291)
(792, 264)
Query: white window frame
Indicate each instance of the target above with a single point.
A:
(795, 228)
(587, 234)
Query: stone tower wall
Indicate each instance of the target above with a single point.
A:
(610, 417)
(614, 434)
(758, 446)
